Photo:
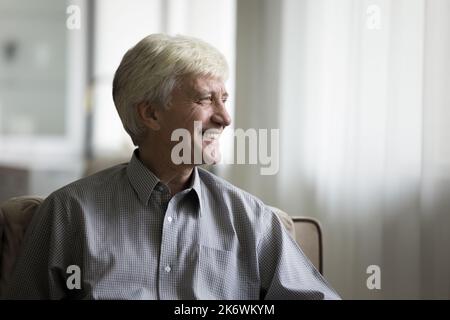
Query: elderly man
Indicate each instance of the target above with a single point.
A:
(155, 228)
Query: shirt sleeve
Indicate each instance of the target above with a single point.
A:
(40, 269)
(285, 272)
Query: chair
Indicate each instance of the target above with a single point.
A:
(16, 213)
(14, 182)
(307, 232)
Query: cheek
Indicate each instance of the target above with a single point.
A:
(185, 118)
(200, 116)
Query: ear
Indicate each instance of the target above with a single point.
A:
(149, 115)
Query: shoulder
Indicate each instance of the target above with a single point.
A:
(240, 204)
(102, 182)
(71, 203)
(218, 186)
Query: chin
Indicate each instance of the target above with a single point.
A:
(211, 153)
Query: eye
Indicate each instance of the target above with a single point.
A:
(205, 100)
(225, 98)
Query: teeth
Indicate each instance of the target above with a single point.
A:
(211, 135)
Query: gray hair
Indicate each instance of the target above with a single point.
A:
(151, 69)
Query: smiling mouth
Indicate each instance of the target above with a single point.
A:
(211, 135)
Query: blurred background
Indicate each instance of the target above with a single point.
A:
(360, 90)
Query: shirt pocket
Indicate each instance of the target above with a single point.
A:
(219, 276)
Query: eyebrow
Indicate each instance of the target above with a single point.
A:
(204, 93)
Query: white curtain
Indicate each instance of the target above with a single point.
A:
(361, 93)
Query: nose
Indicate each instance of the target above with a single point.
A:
(221, 115)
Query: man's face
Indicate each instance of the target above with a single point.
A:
(201, 100)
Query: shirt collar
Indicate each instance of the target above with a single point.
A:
(196, 186)
(143, 180)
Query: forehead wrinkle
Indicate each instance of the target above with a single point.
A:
(212, 86)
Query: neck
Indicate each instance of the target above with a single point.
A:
(176, 177)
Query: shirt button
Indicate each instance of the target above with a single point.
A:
(167, 269)
(169, 219)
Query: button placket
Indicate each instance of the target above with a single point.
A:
(168, 255)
